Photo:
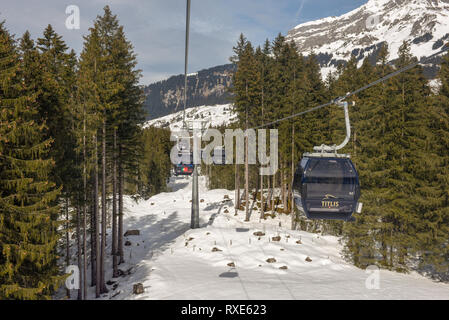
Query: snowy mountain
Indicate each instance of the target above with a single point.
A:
(361, 32)
(205, 87)
(216, 116)
(425, 23)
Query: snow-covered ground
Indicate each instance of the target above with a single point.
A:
(174, 262)
(215, 115)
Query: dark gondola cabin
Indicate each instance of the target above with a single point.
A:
(185, 167)
(327, 188)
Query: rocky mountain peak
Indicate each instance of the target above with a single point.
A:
(360, 32)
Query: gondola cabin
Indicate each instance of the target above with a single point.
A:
(185, 167)
(327, 188)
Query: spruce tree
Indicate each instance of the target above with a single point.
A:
(444, 76)
(28, 215)
(56, 84)
(434, 232)
(264, 61)
(400, 157)
(112, 98)
(247, 100)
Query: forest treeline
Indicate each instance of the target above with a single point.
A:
(71, 147)
(399, 144)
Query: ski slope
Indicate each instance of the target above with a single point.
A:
(174, 262)
(217, 115)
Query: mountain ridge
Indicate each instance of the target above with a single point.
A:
(333, 40)
(361, 32)
(205, 87)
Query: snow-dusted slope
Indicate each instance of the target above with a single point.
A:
(174, 262)
(216, 115)
(425, 23)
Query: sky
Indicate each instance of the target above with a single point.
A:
(156, 28)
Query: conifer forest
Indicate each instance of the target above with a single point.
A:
(75, 153)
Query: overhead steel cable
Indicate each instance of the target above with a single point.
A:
(186, 61)
(391, 75)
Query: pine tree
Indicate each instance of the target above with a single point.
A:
(238, 52)
(56, 84)
(28, 215)
(238, 49)
(400, 157)
(56, 79)
(247, 88)
(366, 153)
(444, 76)
(127, 119)
(406, 133)
(154, 168)
(264, 62)
(434, 232)
(89, 95)
(112, 100)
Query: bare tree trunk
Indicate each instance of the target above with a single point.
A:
(270, 192)
(273, 196)
(78, 243)
(237, 187)
(291, 196)
(262, 202)
(97, 227)
(246, 173)
(85, 249)
(209, 176)
(287, 188)
(114, 210)
(256, 192)
(103, 209)
(391, 256)
(93, 244)
(283, 187)
(120, 206)
(384, 251)
(84, 210)
(67, 238)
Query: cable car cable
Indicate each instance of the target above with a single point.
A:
(186, 60)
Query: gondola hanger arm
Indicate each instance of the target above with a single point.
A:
(334, 148)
